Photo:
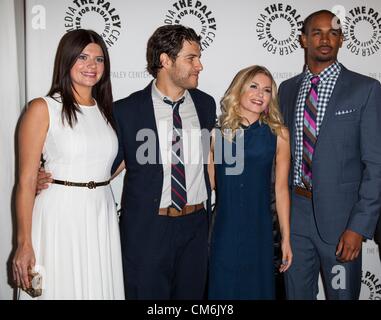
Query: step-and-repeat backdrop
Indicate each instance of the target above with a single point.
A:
(235, 34)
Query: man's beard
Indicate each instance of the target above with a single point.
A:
(324, 58)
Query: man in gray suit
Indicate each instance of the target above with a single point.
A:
(334, 118)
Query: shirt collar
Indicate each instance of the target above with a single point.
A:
(156, 93)
(329, 72)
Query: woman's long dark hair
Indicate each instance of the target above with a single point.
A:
(70, 47)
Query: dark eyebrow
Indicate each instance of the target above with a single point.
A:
(331, 29)
(191, 55)
(102, 56)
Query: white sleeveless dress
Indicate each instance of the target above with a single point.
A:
(75, 230)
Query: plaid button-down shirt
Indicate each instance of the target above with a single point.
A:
(327, 82)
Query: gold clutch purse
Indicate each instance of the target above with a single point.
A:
(35, 289)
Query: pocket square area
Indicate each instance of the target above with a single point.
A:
(346, 111)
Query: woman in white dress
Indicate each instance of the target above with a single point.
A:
(69, 233)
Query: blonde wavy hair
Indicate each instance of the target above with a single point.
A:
(230, 119)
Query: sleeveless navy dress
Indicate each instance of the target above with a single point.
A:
(241, 249)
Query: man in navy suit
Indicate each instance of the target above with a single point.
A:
(334, 117)
(164, 242)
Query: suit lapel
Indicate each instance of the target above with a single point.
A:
(148, 117)
(341, 89)
(292, 111)
(203, 119)
(199, 109)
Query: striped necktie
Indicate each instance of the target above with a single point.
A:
(178, 184)
(309, 132)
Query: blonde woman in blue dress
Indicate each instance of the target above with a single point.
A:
(242, 250)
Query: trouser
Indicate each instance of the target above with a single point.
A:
(175, 266)
(311, 255)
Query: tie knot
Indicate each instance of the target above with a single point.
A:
(174, 104)
(315, 80)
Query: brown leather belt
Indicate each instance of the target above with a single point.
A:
(173, 212)
(303, 192)
(90, 184)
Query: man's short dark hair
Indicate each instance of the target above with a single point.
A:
(307, 21)
(167, 39)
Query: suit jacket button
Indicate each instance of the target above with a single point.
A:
(155, 200)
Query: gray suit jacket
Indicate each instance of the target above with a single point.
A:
(347, 158)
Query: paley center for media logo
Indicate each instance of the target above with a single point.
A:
(277, 28)
(371, 286)
(194, 14)
(362, 29)
(99, 15)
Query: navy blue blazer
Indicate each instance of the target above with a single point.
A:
(347, 158)
(143, 183)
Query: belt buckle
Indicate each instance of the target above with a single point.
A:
(177, 213)
(174, 212)
(91, 185)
